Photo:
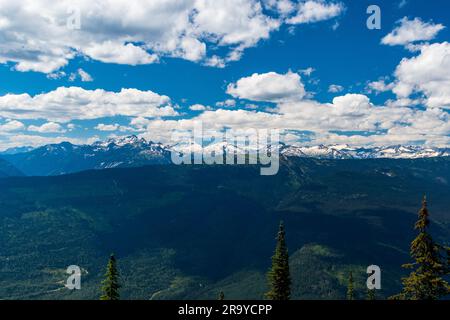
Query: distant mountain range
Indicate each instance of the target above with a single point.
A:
(348, 152)
(65, 157)
(8, 170)
(131, 151)
(16, 150)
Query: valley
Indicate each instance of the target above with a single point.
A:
(184, 232)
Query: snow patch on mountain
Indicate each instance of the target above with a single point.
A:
(348, 152)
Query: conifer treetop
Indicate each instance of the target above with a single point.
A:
(279, 278)
(425, 282)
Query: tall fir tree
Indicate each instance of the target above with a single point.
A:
(111, 286)
(350, 287)
(279, 277)
(426, 281)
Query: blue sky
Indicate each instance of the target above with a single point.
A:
(332, 77)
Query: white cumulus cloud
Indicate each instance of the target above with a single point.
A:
(409, 31)
(326, 122)
(11, 125)
(316, 10)
(269, 87)
(426, 74)
(68, 103)
(379, 86)
(335, 88)
(199, 107)
(35, 36)
(49, 127)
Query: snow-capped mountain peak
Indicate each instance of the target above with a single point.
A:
(320, 151)
(348, 152)
(135, 151)
(132, 140)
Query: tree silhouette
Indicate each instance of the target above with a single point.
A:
(110, 288)
(279, 276)
(350, 287)
(425, 282)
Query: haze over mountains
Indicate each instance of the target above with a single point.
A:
(8, 170)
(131, 151)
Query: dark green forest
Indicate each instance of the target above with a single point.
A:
(191, 232)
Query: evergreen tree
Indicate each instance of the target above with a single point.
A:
(350, 287)
(448, 261)
(110, 288)
(279, 277)
(447, 253)
(371, 294)
(425, 282)
(221, 295)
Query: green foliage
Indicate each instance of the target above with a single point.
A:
(371, 294)
(111, 284)
(153, 213)
(447, 251)
(319, 270)
(221, 295)
(425, 282)
(350, 287)
(279, 277)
